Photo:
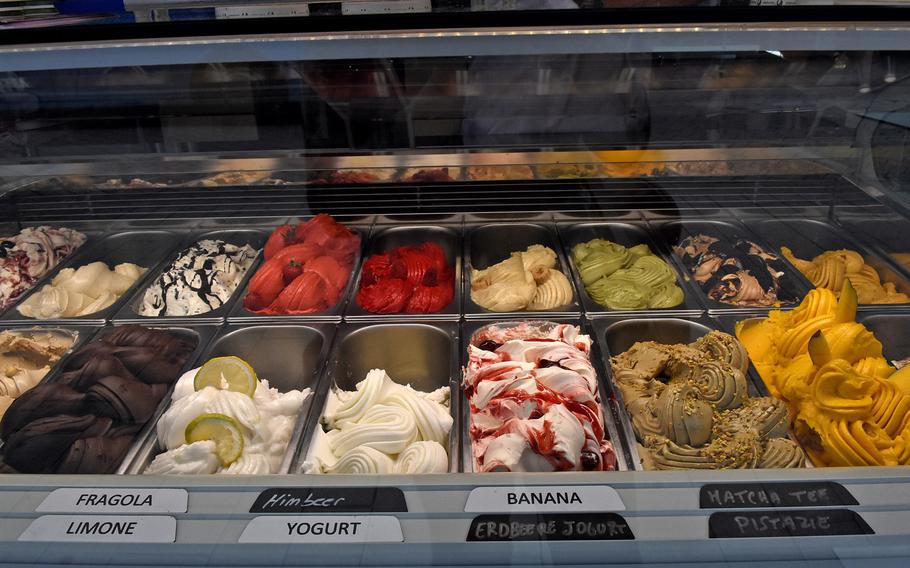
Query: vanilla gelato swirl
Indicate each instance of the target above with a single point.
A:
(362, 460)
(388, 429)
(422, 457)
(382, 427)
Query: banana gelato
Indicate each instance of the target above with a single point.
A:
(82, 291)
(382, 427)
(850, 406)
(526, 280)
(622, 278)
(831, 268)
(690, 407)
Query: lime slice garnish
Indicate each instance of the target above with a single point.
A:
(227, 373)
(221, 429)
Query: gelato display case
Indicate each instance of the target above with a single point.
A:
(457, 284)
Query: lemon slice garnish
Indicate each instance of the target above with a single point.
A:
(221, 429)
(227, 373)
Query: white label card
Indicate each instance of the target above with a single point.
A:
(544, 499)
(114, 500)
(323, 528)
(101, 528)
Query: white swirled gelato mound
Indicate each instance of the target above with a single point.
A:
(382, 427)
(261, 418)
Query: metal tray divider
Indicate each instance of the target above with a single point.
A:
(129, 314)
(353, 312)
(205, 334)
(607, 400)
(473, 311)
(239, 315)
(100, 317)
(690, 305)
(730, 227)
(865, 246)
(333, 362)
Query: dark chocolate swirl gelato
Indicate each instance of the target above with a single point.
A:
(86, 419)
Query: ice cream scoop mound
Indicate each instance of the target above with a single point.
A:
(382, 427)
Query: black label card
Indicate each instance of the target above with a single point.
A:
(768, 495)
(555, 526)
(807, 522)
(330, 500)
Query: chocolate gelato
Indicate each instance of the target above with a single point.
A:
(86, 419)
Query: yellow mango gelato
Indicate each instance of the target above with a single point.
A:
(831, 268)
(850, 407)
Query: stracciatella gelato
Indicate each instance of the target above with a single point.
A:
(382, 427)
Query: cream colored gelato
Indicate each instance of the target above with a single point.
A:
(81, 291)
(526, 280)
(267, 421)
(382, 427)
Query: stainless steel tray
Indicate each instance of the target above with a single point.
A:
(386, 239)
(672, 232)
(618, 335)
(808, 238)
(289, 356)
(144, 248)
(129, 312)
(239, 314)
(420, 354)
(202, 335)
(628, 235)
(486, 245)
(608, 401)
(891, 330)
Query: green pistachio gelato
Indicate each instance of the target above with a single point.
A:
(623, 278)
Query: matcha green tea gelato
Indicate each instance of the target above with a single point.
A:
(622, 278)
